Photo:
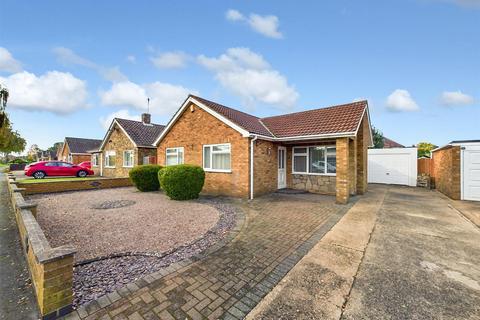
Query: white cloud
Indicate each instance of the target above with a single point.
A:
(401, 100)
(170, 60)
(131, 59)
(455, 98)
(247, 75)
(54, 91)
(67, 56)
(234, 15)
(8, 63)
(267, 25)
(123, 114)
(165, 98)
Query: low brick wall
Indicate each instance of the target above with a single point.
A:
(51, 269)
(314, 183)
(74, 185)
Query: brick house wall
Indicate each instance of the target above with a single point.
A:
(265, 167)
(76, 158)
(145, 152)
(117, 142)
(446, 171)
(195, 129)
(362, 139)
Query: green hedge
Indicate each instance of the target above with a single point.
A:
(145, 177)
(182, 182)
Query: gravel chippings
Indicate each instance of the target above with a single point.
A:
(94, 279)
(153, 223)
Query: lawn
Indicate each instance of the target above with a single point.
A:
(46, 180)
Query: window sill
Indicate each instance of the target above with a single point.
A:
(127, 166)
(316, 174)
(108, 167)
(217, 171)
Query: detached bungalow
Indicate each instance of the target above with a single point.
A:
(76, 150)
(127, 143)
(321, 151)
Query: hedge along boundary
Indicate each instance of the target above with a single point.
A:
(61, 186)
(51, 269)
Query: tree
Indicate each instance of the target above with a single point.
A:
(378, 139)
(55, 146)
(10, 140)
(3, 105)
(424, 149)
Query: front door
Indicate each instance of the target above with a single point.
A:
(282, 172)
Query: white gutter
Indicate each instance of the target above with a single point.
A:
(251, 165)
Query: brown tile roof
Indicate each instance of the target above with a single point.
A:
(388, 143)
(332, 120)
(144, 135)
(82, 145)
(336, 119)
(248, 122)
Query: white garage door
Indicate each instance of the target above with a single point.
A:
(393, 166)
(471, 173)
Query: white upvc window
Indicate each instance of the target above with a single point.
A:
(315, 160)
(174, 156)
(217, 157)
(146, 160)
(128, 158)
(95, 159)
(70, 158)
(110, 157)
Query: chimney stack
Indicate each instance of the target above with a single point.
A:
(146, 118)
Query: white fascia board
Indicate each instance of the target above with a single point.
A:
(366, 111)
(109, 132)
(242, 131)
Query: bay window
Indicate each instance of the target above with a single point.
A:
(217, 157)
(314, 160)
(128, 158)
(174, 156)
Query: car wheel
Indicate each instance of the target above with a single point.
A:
(39, 175)
(82, 174)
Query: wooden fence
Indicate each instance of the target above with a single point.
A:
(425, 166)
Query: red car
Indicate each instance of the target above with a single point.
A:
(85, 164)
(41, 169)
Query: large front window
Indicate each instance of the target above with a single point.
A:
(128, 158)
(174, 156)
(216, 157)
(315, 160)
(110, 159)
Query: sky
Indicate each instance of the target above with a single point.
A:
(71, 66)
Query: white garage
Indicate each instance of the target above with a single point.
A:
(393, 166)
(470, 171)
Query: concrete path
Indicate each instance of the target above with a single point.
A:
(318, 285)
(17, 300)
(423, 262)
(279, 230)
(399, 253)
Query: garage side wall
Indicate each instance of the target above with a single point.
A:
(446, 171)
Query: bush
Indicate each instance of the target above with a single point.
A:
(182, 182)
(145, 177)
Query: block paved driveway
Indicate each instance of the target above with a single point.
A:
(278, 231)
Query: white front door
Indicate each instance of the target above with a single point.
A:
(471, 174)
(282, 172)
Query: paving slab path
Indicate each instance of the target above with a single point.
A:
(278, 231)
(17, 300)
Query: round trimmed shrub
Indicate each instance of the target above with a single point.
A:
(182, 182)
(145, 177)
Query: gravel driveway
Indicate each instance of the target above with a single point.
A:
(104, 222)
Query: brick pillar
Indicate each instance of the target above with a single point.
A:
(352, 164)
(362, 149)
(342, 187)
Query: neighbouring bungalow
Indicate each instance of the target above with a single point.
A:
(321, 151)
(388, 144)
(77, 150)
(127, 143)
